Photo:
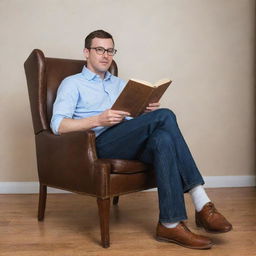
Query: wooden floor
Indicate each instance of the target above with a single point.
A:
(71, 226)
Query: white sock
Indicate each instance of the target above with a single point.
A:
(170, 224)
(199, 197)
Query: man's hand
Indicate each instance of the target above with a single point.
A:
(152, 107)
(111, 117)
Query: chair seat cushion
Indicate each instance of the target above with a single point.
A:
(121, 166)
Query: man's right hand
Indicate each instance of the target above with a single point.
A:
(111, 117)
(107, 118)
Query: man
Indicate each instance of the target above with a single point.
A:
(83, 102)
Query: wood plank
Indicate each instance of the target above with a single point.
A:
(71, 225)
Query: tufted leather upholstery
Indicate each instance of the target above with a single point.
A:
(70, 161)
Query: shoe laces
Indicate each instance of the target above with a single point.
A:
(184, 226)
(212, 209)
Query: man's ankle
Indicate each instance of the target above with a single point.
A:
(170, 224)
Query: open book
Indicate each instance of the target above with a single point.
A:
(137, 94)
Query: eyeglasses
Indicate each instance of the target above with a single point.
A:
(101, 50)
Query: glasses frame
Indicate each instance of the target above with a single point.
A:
(104, 50)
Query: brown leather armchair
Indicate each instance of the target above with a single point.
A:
(70, 161)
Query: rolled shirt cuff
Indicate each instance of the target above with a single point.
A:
(55, 124)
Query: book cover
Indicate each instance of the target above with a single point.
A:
(136, 96)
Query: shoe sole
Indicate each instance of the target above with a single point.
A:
(163, 239)
(199, 225)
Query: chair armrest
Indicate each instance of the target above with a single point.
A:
(79, 143)
(69, 161)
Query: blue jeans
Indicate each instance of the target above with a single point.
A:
(155, 138)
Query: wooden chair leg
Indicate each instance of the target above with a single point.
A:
(115, 200)
(104, 210)
(42, 201)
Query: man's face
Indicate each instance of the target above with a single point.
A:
(99, 64)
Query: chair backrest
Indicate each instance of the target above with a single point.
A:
(44, 76)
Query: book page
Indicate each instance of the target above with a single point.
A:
(142, 82)
(156, 84)
(162, 81)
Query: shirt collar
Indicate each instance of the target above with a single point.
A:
(89, 75)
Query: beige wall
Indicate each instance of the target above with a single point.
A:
(205, 46)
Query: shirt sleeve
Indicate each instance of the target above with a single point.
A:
(65, 103)
(122, 85)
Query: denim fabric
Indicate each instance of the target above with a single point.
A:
(155, 138)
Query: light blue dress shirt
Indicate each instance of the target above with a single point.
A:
(83, 95)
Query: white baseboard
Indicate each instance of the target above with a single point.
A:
(210, 182)
(229, 181)
(30, 187)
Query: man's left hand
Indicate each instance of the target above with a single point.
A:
(152, 107)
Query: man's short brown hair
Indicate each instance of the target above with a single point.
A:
(97, 33)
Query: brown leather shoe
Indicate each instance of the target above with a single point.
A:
(181, 235)
(211, 220)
